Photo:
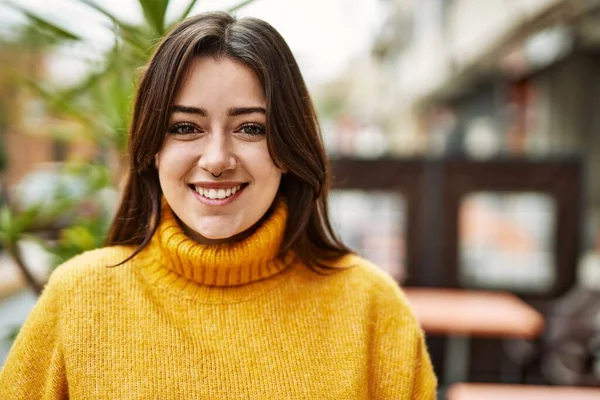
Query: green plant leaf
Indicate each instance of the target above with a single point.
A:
(6, 225)
(12, 334)
(186, 11)
(106, 13)
(154, 12)
(13, 224)
(240, 5)
(97, 176)
(45, 25)
(65, 104)
(130, 33)
(26, 218)
(82, 87)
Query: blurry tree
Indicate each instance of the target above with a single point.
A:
(98, 109)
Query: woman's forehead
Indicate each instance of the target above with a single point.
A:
(223, 82)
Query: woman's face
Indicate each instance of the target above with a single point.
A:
(217, 128)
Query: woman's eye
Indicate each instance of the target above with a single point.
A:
(182, 129)
(253, 129)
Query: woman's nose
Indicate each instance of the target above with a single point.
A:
(216, 156)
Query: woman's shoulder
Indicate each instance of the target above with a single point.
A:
(366, 277)
(366, 273)
(382, 292)
(91, 265)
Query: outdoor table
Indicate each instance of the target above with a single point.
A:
(481, 391)
(461, 314)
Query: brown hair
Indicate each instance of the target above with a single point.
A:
(293, 135)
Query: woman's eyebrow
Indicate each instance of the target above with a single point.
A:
(236, 111)
(232, 112)
(189, 110)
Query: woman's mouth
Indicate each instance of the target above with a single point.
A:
(218, 194)
(215, 194)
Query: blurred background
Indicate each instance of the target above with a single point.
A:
(465, 145)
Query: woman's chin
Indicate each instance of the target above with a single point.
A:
(215, 230)
(214, 236)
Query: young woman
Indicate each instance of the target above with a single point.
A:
(222, 277)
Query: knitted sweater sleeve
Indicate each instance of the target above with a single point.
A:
(400, 362)
(35, 367)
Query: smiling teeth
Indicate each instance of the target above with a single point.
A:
(217, 194)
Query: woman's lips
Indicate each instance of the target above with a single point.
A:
(217, 195)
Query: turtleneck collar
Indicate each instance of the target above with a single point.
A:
(226, 264)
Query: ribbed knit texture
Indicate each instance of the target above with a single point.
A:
(189, 321)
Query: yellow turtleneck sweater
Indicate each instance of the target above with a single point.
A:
(187, 321)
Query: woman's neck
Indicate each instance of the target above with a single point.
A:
(248, 258)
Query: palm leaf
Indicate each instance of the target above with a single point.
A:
(239, 5)
(45, 25)
(82, 87)
(12, 334)
(186, 11)
(154, 12)
(56, 101)
(105, 12)
(130, 33)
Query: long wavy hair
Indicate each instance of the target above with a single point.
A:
(293, 134)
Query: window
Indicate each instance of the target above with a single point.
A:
(373, 224)
(506, 241)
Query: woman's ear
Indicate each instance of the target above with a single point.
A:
(156, 161)
(282, 168)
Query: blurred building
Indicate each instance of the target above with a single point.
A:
(20, 150)
(495, 100)
(489, 79)
(29, 145)
(29, 134)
